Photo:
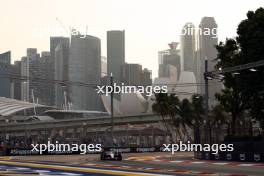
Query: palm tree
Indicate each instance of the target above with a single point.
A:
(181, 113)
(166, 106)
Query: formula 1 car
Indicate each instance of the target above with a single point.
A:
(111, 155)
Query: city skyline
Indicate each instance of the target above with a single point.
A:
(146, 33)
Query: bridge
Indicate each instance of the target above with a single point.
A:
(104, 121)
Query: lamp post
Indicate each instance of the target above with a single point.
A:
(207, 125)
(112, 109)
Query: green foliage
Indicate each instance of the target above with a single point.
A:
(180, 112)
(244, 91)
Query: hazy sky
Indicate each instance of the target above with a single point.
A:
(149, 24)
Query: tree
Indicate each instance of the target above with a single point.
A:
(218, 117)
(181, 114)
(243, 92)
(251, 41)
(165, 106)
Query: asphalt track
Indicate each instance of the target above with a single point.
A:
(181, 164)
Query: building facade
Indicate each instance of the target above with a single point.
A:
(188, 47)
(167, 58)
(103, 66)
(115, 53)
(207, 39)
(16, 70)
(85, 67)
(5, 71)
(61, 72)
(5, 58)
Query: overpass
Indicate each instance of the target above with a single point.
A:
(89, 123)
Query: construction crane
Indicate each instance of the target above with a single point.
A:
(63, 26)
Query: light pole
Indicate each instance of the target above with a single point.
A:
(112, 108)
(207, 138)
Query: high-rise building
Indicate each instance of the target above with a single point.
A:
(16, 70)
(207, 39)
(54, 42)
(115, 53)
(170, 57)
(45, 90)
(146, 77)
(132, 74)
(5, 69)
(5, 58)
(38, 75)
(25, 83)
(85, 67)
(168, 71)
(61, 72)
(33, 70)
(188, 47)
(103, 66)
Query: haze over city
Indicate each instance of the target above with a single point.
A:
(155, 87)
(149, 25)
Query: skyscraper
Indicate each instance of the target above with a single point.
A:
(16, 70)
(132, 74)
(85, 67)
(45, 90)
(25, 83)
(54, 42)
(33, 72)
(188, 47)
(147, 77)
(37, 71)
(5, 69)
(61, 71)
(168, 58)
(103, 66)
(5, 58)
(115, 53)
(207, 39)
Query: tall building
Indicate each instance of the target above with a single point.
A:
(45, 90)
(115, 53)
(38, 77)
(188, 47)
(61, 62)
(85, 67)
(132, 74)
(170, 57)
(25, 83)
(207, 39)
(54, 42)
(5, 69)
(103, 66)
(146, 77)
(168, 71)
(33, 72)
(16, 70)
(5, 58)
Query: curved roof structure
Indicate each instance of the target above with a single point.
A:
(11, 106)
(130, 104)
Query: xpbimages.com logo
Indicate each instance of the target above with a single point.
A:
(116, 89)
